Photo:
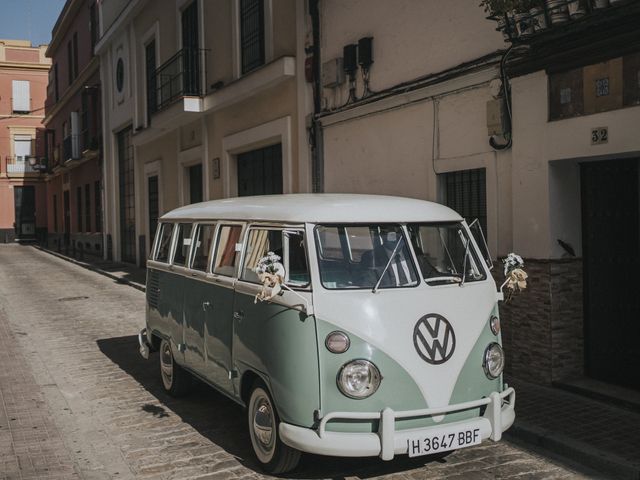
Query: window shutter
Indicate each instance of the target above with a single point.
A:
(21, 96)
(22, 147)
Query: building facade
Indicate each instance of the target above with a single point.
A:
(576, 202)
(23, 83)
(74, 133)
(203, 100)
(405, 87)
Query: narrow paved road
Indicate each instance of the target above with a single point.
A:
(77, 401)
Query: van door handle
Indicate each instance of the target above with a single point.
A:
(238, 315)
(206, 306)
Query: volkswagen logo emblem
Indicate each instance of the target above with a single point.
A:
(434, 339)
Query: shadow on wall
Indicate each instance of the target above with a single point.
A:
(223, 422)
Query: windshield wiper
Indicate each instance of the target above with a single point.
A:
(393, 254)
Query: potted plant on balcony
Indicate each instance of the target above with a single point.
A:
(523, 17)
(558, 12)
(576, 9)
(538, 17)
(503, 12)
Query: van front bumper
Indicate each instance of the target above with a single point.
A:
(387, 442)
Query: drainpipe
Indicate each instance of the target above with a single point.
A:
(315, 133)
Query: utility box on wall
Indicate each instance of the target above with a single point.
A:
(332, 73)
(496, 119)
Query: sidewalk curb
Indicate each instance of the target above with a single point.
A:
(93, 268)
(564, 447)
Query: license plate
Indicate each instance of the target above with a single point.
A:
(442, 440)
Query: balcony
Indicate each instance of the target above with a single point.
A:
(562, 34)
(18, 166)
(180, 76)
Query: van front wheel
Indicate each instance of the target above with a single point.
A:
(175, 380)
(275, 456)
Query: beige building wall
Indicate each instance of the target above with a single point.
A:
(399, 144)
(235, 114)
(411, 38)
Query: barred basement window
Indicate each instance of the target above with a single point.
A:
(98, 205)
(79, 208)
(466, 193)
(251, 34)
(87, 207)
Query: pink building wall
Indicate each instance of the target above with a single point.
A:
(20, 61)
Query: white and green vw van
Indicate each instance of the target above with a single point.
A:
(384, 339)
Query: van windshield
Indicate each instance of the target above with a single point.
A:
(365, 256)
(444, 253)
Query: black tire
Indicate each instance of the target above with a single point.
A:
(274, 456)
(176, 381)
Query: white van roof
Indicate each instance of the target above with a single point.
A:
(317, 208)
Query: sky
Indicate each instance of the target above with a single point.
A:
(29, 19)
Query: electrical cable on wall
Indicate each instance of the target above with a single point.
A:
(506, 92)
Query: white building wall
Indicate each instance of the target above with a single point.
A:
(400, 144)
(546, 176)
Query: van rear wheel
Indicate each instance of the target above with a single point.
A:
(175, 379)
(274, 456)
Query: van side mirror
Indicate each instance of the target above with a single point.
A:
(478, 235)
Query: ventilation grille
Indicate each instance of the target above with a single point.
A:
(153, 289)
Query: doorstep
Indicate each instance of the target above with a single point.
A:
(604, 392)
(582, 430)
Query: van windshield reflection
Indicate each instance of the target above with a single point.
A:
(445, 254)
(365, 256)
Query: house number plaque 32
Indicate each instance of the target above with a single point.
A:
(599, 135)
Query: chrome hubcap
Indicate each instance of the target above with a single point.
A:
(263, 424)
(166, 365)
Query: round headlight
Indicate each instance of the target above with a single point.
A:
(494, 323)
(493, 361)
(359, 379)
(337, 342)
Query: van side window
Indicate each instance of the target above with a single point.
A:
(202, 244)
(260, 243)
(226, 255)
(182, 244)
(288, 245)
(165, 231)
(295, 259)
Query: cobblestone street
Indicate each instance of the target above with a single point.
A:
(77, 400)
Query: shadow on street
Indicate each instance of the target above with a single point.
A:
(223, 422)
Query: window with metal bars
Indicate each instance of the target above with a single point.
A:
(251, 34)
(79, 208)
(127, 197)
(154, 205)
(55, 213)
(150, 57)
(87, 207)
(98, 205)
(466, 193)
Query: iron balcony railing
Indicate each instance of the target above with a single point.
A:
(180, 76)
(19, 165)
(533, 19)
